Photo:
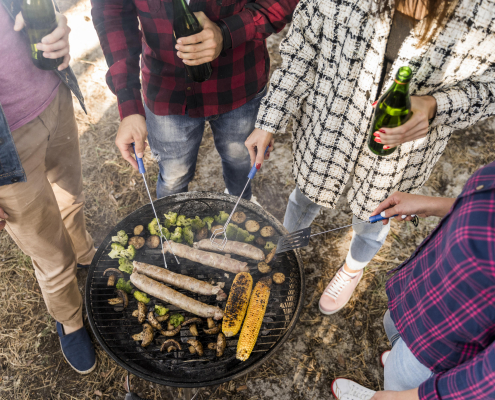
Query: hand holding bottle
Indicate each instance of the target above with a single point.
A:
(423, 109)
(202, 47)
(54, 45)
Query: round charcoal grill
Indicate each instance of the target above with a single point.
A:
(113, 329)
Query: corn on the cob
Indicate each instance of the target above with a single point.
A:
(237, 303)
(254, 319)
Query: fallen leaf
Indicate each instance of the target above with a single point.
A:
(241, 388)
(98, 393)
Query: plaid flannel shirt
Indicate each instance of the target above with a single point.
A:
(238, 74)
(442, 300)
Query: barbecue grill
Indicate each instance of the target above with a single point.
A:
(113, 327)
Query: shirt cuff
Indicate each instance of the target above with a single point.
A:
(130, 103)
(227, 38)
(443, 108)
(241, 27)
(427, 390)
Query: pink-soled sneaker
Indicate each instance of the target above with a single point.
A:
(338, 292)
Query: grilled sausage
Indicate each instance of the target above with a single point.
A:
(162, 292)
(239, 248)
(178, 280)
(209, 259)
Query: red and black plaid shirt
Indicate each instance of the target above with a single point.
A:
(442, 300)
(238, 74)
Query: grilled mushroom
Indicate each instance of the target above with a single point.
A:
(139, 230)
(260, 241)
(278, 278)
(221, 344)
(212, 346)
(194, 330)
(197, 346)
(135, 313)
(137, 242)
(170, 343)
(162, 318)
(192, 350)
(270, 256)
(192, 321)
(213, 330)
(216, 228)
(153, 321)
(252, 226)
(142, 310)
(112, 274)
(239, 217)
(201, 234)
(172, 332)
(146, 335)
(263, 267)
(122, 299)
(267, 231)
(153, 241)
(171, 348)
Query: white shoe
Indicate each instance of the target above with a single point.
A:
(345, 389)
(253, 198)
(383, 357)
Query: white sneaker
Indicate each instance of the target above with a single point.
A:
(338, 292)
(253, 198)
(383, 357)
(345, 389)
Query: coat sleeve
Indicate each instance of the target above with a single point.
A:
(471, 380)
(117, 25)
(290, 84)
(467, 102)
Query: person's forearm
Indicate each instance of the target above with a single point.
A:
(440, 206)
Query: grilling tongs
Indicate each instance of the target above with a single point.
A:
(220, 244)
(300, 238)
(142, 171)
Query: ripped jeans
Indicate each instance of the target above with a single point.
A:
(175, 141)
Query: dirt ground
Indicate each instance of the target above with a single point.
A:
(320, 348)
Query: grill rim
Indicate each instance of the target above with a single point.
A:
(184, 197)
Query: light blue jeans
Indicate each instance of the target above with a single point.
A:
(175, 139)
(403, 371)
(367, 239)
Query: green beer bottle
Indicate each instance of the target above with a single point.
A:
(186, 24)
(392, 110)
(40, 19)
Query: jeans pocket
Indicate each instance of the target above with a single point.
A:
(262, 92)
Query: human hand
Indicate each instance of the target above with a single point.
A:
(256, 144)
(411, 394)
(132, 129)
(406, 205)
(423, 109)
(3, 217)
(202, 47)
(54, 45)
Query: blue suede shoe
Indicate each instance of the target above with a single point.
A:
(77, 349)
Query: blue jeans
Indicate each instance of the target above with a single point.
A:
(367, 239)
(403, 371)
(175, 139)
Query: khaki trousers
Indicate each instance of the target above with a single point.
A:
(46, 217)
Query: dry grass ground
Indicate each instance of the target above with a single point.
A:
(321, 348)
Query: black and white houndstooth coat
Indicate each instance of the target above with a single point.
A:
(332, 60)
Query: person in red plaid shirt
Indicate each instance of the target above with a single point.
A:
(441, 312)
(175, 107)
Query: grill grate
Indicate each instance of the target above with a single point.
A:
(114, 329)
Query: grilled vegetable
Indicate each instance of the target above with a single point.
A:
(221, 344)
(197, 346)
(142, 310)
(137, 242)
(239, 217)
(153, 241)
(120, 238)
(160, 310)
(125, 265)
(208, 221)
(221, 218)
(202, 234)
(112, 273)
(252, 226)
(153, 321)
(267, 231)
(123, 285)
(237, 303)
(270, 256)
(197, 223)
(176, 320)
(260, 241)
(170, 219)
(269, 246)
(188, 235)
(231, 247)
(216, 228)
(243, 236)
(176, 236)
(140, 296)
(278, 278)
(139, 230)
(146, 335)
(254, 319)
(231, 231)
(264, 268)
(162, 318)
(135, 313)
(194, 330)
(172, 332)
(170, 343)
(212, 346)
(118, 251)
(122, 299)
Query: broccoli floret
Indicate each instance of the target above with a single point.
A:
(153, 227)
(176, 319)
(123, 285)
(269, 246)
(221, 218)
(117, 248)
(183, 221)
(126, 266)
(197, 223)
(165, 233)
(120, 238)
(242, 235)
(160, 310)
(171, 219)
(188, 235)
(249, 239)
(232, 231)
(142, 297)
(208, 221)
(176, 236)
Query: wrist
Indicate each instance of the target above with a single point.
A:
(431, 104)
(442, 206)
